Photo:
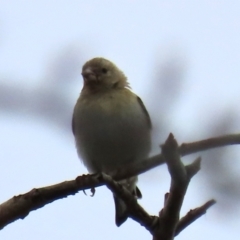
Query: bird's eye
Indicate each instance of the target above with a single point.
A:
(104, 70)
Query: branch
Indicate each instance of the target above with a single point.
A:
(20, 206)
(135, 211)
(230, 139)
(193, 215)
(180, 178)
(167, 225)
(134, 169)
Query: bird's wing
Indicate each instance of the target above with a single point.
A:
(145, 112)
(73, 125)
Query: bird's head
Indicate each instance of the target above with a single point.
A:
(100, 73)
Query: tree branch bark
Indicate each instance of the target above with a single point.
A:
(193, 215)
(20, 206)
(180, 178)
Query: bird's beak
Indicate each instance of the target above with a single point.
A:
(89, 75)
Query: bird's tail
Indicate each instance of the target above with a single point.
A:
(121, 209)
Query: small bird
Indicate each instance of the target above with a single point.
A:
(111, 125)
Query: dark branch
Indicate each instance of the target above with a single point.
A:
(180, 178)
(19, 207)
(135, 211)
(184, 149)
(188, 148)
(193, 215)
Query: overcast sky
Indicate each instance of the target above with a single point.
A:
(139, 36)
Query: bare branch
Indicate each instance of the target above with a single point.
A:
(188, 148)
(180, 178)
(19, 207)
(193, 215)
(135, 211)
(130, 170)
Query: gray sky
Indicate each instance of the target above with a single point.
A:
(140, 37)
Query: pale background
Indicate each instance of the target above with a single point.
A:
(181, 57)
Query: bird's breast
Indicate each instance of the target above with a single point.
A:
(110, 130)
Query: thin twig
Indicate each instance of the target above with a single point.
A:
(193, 215)
(230, 139)
(19, 207)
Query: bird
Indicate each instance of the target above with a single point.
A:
(111, 125)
